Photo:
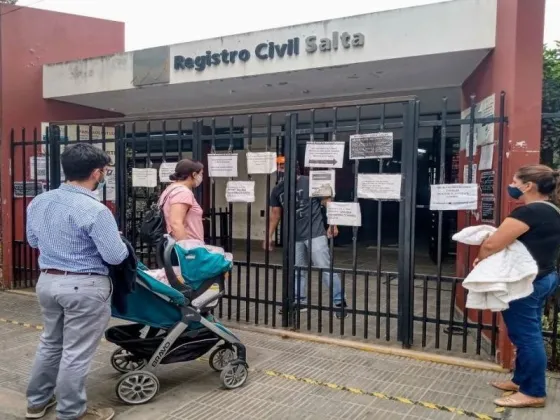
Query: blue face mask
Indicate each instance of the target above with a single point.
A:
(514, 192)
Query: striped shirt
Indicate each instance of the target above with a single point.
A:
(74, 232)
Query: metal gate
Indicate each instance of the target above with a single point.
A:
(396, 270)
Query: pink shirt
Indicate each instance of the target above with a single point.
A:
(193, 218)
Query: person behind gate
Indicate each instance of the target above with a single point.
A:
(77, 237)
(536, 224)
(318, 250)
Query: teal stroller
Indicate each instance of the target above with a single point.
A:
(175, 324)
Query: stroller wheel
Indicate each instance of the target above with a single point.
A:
(234, 375)
(123, 361)
(136, 388)
(220, 358)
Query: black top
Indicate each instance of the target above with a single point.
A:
(543, 237)
(303, 204)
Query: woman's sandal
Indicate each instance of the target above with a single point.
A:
(507, 386)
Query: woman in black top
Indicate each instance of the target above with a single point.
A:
(537, 225)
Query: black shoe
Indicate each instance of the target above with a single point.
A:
(302, 308)
(338, 311)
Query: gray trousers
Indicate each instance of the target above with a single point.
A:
(76, 310)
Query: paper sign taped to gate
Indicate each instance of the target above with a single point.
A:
(371, 146)
(144, 177)
(344, 214)
(321, 183)
(261, 162)
(454, 197)
(165, 170)
(240, 192)
(324, 154)
(380, 186)
(222, 165)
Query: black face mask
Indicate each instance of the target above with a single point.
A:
(280, 176)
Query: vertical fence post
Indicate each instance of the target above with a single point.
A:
(54, 158)
(120, 176)
(406, 226)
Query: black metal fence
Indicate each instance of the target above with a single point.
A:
(393, 278)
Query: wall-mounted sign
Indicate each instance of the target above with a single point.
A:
(269, 51)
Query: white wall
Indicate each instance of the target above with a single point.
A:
(459, 25)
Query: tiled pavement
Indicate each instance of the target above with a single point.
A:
(192, 390)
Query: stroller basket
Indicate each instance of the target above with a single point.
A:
(190, 345)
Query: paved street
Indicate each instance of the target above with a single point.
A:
(288, 380)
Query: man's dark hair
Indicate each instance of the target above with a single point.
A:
(80, 160)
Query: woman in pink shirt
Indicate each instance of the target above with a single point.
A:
(183, 214)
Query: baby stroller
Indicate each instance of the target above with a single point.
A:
(173, 324)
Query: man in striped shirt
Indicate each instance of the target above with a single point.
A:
(77, 237)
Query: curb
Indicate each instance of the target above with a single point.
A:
(370, 348)
(373, 348)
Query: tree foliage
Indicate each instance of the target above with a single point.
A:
(8, 1)
(550, 146)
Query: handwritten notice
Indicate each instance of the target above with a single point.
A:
(222, 165)
(380, 186)
(371, 146)
(322, 183)
(240, 192)
(454, 197)
(487, 182)
(324, 154)
(165, 170)
(487, 209)
(261, 162)
(144, 177)
(344, 214)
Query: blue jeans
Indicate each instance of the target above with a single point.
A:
(524, 323)
(320, 258)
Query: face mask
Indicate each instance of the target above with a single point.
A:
(197, 180)
(280, 176)
(514, 192)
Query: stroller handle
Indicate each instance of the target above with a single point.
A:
(168, 250)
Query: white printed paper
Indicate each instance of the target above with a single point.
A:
(380, 186)
(144, 177)
(486, 157)
(41, 162)
(454, 197)
(322, 183)
(165, 170)
(371, 146)
(110, 186)
(466, 174)
(240, 192)
(324, 154)
(344, 214)
(261, 162)
(223, 165)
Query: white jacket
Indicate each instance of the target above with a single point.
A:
(501, 278)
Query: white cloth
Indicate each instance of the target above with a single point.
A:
(501, 278)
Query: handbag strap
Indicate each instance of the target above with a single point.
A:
(167, 196)
(548, 203)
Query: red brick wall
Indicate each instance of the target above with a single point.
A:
(29, 39)
(514, 67)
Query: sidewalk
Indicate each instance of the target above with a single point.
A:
(288, 380)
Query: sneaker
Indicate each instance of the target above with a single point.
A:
(97, 414)
(40, 412)
(338, 310)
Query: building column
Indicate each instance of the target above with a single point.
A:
(514, 67)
